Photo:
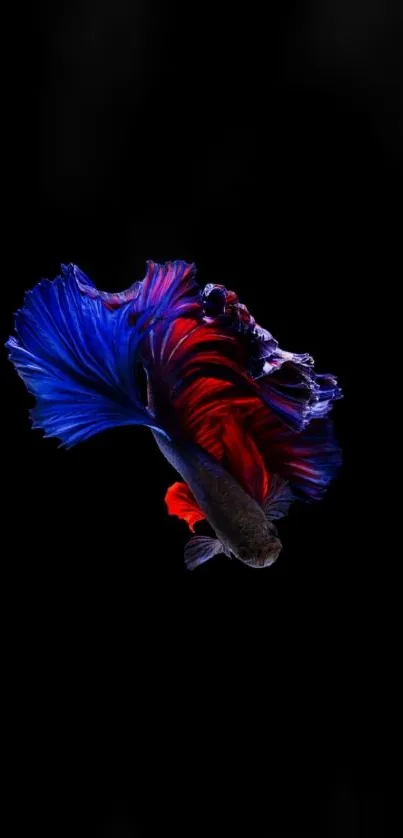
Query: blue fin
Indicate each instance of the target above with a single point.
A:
(200, 549)
(279, 499)
(79, 360)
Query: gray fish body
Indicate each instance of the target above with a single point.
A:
(240, 524)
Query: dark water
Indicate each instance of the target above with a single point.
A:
(267, 148)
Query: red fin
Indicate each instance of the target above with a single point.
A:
(211, 395)
(245, 462)
(181, 502)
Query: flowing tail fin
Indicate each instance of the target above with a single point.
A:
(79, 359)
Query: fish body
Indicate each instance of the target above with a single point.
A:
(245, 424)
(240, 524)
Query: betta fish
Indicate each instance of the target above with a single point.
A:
(244, 424)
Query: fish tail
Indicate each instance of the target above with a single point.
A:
(80, 359)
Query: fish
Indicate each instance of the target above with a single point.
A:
(244, 424)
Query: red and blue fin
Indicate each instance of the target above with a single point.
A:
(270, 431)
(284, 403)
(170, 284)
(289, 382)
(168, 291)
(278, 424)
(295, 392)
(308, 460)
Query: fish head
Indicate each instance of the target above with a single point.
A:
(260, 554)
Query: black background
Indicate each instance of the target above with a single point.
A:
(267, 148)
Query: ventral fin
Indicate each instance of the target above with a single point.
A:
(181, 502)
(279, 499)
(200, 549)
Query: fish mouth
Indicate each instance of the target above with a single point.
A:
(268, 558)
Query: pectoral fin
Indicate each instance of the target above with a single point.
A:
(200, 549)
(279, 499)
